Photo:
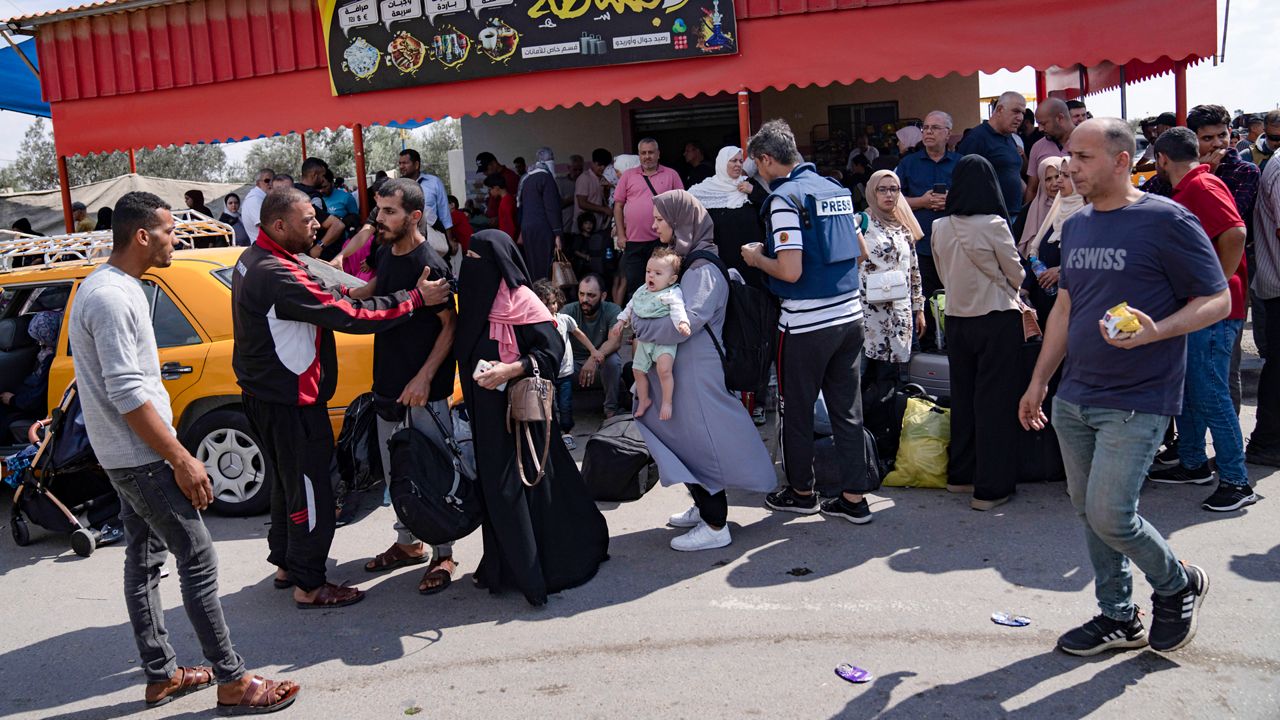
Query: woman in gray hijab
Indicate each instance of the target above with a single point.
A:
(710, 443)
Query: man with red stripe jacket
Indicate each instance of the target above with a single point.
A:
(286, 365)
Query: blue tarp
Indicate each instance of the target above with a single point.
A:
(21, 88)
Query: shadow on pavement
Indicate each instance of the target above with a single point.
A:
(983, 696)
(1260, 567)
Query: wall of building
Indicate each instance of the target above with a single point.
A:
(569, 131)
(803, 108)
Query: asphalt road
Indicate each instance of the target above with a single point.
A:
(753, 630)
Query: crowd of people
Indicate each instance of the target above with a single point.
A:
(1019, 229)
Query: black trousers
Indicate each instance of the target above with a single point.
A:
(986, 385)
(930, 283)
(297, 445)
(713, 507)
(827, 360)
(634, 259)
(1266, 434)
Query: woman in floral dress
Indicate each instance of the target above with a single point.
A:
(889, 259)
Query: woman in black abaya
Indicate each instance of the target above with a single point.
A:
(550, 537)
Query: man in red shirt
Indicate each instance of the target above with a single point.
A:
(1208, 399)
(489, 165)
(506, 203)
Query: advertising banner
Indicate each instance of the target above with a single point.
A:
(383, 44)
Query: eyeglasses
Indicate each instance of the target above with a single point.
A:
(936, 128)
(1273, 139)
(888, 190)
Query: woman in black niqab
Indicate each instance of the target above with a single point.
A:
(537, 540)
(975, 190)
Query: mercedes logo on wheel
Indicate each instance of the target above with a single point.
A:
(229, 465)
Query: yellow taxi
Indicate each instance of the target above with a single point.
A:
(191, 314)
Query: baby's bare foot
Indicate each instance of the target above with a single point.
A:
(642, 404)
(665, 412)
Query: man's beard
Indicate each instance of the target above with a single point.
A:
(388, 236)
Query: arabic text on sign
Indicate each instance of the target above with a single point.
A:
(634, 41)
(537, 51)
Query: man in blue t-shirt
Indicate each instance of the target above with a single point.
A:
(922, 175)
(1117, 394)
(993, 140)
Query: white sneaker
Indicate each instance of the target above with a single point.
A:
(687, 519)
(702, 537)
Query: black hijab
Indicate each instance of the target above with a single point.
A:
(478, 282)
(975, 189)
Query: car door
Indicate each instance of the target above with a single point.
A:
(182, 345)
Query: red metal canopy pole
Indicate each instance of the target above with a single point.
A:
(744, 118)
(1180, 91)
(362, 190)
(1042, 86)
(303, 137)
(64, 183)
(133, 162)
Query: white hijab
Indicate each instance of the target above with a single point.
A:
(1064, 206)
(721, 190)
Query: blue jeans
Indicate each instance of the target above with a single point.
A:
(1106, 453)
(1207, 403)
(564, 401)
(159, 519)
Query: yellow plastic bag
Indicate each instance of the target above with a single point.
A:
(922, 451)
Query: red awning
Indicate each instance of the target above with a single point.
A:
(1107, 76)
(819, 45)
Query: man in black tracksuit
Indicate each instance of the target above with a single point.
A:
(286, 365)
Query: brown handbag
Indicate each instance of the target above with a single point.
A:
(529, 401)
(562, 274)
(1030, 323)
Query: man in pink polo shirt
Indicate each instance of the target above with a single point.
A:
(633, 211)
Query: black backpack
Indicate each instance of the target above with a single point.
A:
(433, 491)
(616, 465)
(750, 330)
(359, 459)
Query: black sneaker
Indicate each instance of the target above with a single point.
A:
(788, 500)
(1173, 617)
(1229, 497)
(1262, 455)
(1168, 457)
(858, 513)
(1103, 633)
(1182, 475)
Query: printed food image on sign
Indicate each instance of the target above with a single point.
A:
(450, 48)
(432, 41)
(361, 59)
(498, 40)
(406, 53)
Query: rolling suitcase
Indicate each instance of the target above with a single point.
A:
(932, 372)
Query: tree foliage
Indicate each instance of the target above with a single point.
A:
(36, 167)
(382, 146)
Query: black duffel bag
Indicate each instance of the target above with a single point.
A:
(434, 492)
(1038, 455)
(616, 465)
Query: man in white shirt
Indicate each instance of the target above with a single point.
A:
(251, 208)
(863, 148)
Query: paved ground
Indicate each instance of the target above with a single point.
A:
(751, 630)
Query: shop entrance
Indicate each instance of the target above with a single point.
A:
(711, 125)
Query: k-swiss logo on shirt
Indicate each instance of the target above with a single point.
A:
(1096, 258)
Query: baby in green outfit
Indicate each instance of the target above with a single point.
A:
(660, 297)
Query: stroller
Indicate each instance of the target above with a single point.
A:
(60, 485)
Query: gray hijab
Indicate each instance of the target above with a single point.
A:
(694, 231)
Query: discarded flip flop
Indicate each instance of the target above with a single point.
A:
(1009, 619)
(853, 674)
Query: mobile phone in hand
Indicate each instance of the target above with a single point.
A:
(940, 189)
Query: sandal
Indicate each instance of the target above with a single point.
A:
(190, 679)
(393, 558)
(332, 596)
(437, 571)
(260, 697)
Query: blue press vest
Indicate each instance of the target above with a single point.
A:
(830, 250)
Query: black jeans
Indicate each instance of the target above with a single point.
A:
(159, 519)
(633, 261)
(986, 385)
(930, 283)
(297, 444)
(713, 507)
(1266, 434)
(827, 360)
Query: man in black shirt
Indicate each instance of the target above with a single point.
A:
(413, 366)
(332, 231)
